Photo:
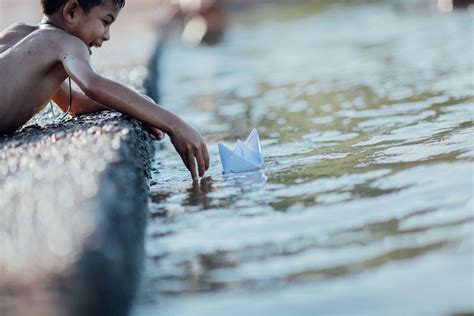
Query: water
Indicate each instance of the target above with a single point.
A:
(365, 205)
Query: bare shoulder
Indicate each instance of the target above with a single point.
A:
(16, 30)
(18, 26)
(68, 44)
(57, 43)
(13, 34)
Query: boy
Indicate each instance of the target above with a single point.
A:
(35, 62)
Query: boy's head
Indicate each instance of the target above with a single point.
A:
(89, 20)
(52, 6)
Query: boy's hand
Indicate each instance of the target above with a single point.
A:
(155, 133)
(191, 147)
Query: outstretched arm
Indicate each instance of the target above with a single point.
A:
(82, 104)
(187, 141)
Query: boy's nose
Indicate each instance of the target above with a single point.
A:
(106, 35)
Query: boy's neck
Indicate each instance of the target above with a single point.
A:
(53, 20)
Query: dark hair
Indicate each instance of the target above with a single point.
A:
(51, 6)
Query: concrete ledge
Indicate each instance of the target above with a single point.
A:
(73, 204)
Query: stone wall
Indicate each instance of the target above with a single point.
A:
(73, 196)
(73, 209)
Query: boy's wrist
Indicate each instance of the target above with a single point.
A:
(174, 125)
(171, 122)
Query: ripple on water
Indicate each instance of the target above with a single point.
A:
(459, 143)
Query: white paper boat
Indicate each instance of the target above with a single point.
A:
(246, 156)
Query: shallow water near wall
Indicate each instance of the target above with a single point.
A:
(365, 204)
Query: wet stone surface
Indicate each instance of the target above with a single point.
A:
(73, 199)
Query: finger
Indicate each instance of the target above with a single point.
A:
(148, 129)
(205, 155)
(192, 165)
(151, 132)
(184, 158)
(201, 163)
(157, 133)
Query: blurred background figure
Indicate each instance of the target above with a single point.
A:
(203, 20)
(449, 5)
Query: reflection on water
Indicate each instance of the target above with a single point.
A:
(366, 200)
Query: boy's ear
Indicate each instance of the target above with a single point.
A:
(70, 10)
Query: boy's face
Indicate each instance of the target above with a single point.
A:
(93, 28)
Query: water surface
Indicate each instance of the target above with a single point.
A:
(366, 201)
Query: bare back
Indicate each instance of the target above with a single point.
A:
(30, 72)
